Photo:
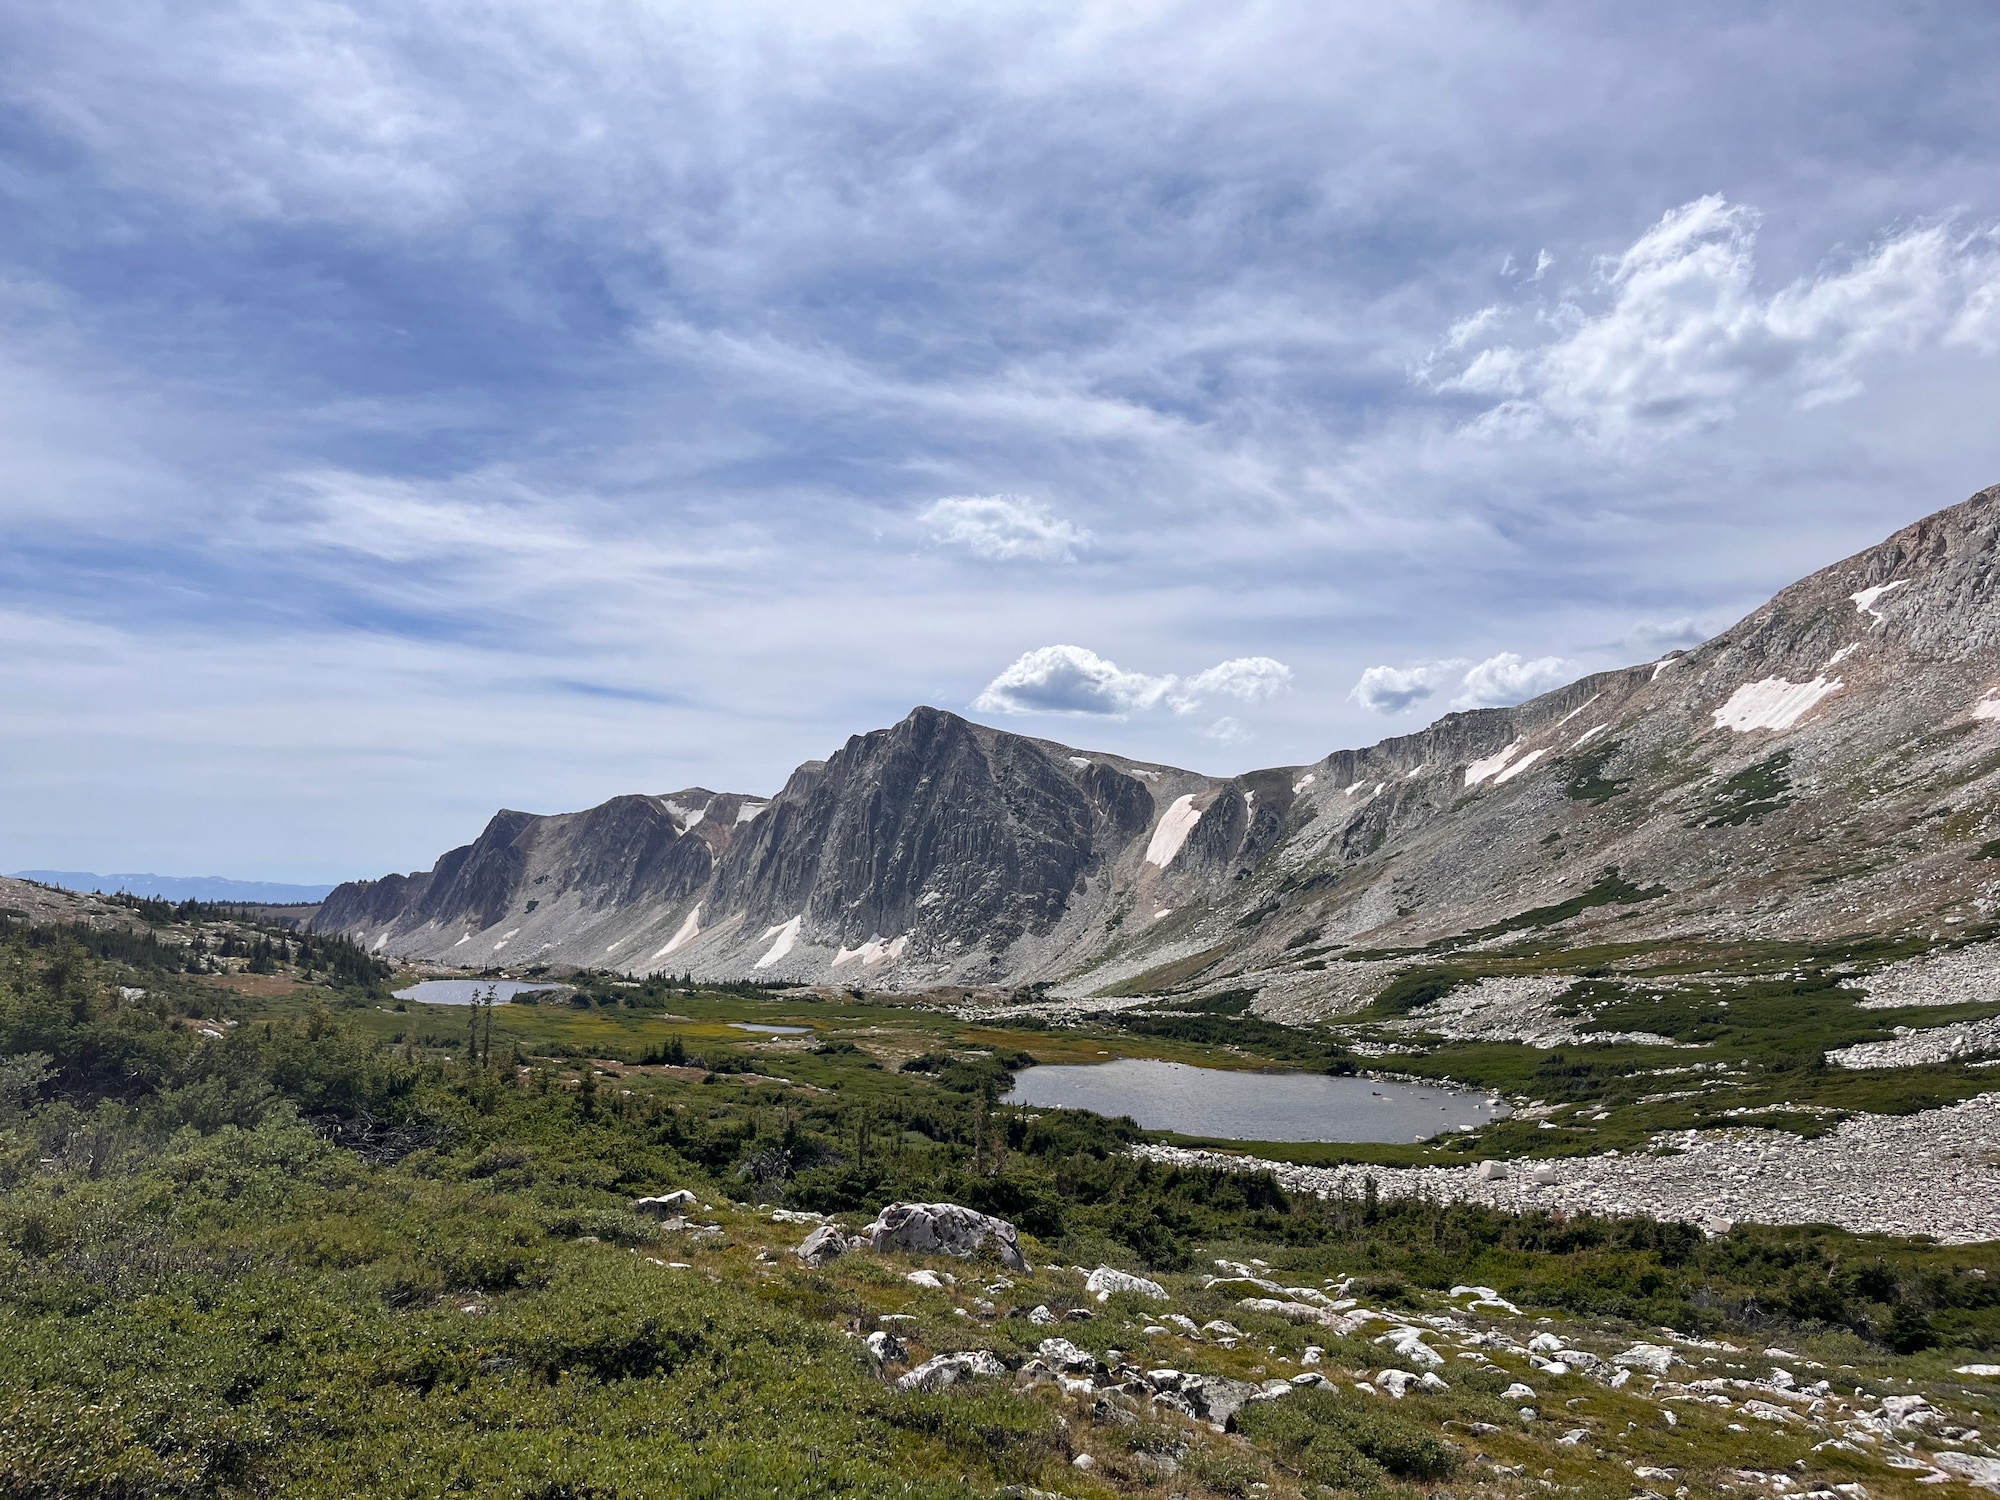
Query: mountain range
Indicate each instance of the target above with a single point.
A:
(183, 887)
(1825, 766)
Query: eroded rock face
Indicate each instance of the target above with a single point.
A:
(944, 1229)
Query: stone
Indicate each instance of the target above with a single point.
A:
(1084, 1462)
(1517, 1392)
(1395, 1382)
(796, 1216)
(1491, 1171)
(1544, 1343)
(1219, 1329)
(1102, 1282)
(666, 1206)
(1573, 1437)
(943, 1229)
(925, 1277)
(1214, 1398)
(1984, 1372)
(885, 1348)
(1908, 1411)
(1297, 1312)
(1041, 1317)
(948, 1369)
(1182, 1322)
(1433, 1382)
(1061, 1354)
(1973, 1469)
(824, 1244)
(1654, 1359)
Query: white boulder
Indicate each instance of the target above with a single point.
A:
(943, 1229)
(1102, 1282)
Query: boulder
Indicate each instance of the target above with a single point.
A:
(1061, 1354)
(943, 1229)
(1104, 1281)
(822, 1245)
(885, 1348)
(1040, 1316)
(1395, 1382)
(1654, 1359)
(1297, 1312)
(948, 1369)
(1970, 1467)
(1215, 1398)
(665, 1206)
(1490, 1171)
(1908, 1411)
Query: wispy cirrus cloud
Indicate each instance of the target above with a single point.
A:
(567, 399)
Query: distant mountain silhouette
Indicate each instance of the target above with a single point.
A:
(181, 887)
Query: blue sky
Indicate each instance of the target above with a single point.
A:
(410, 410)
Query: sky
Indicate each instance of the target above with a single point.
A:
(413, 409)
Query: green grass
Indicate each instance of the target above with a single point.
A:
(201, 1294)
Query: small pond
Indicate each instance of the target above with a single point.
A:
(1253, 1106)
(770, 1030)
(465, 991)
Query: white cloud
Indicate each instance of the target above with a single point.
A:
(1507, 679)
(1006, 528)
(1499, 680)
(1672, 335)
(1070, 680)
(1390, 690)
(1076, 680)
(1245, 677)
(1227, 731)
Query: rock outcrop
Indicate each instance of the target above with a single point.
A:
(943, 1229)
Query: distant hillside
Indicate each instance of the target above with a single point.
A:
(181, 887)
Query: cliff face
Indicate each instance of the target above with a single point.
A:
(1826, 765)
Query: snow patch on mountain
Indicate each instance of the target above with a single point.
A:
(1492, 765)
(787, 935)
(1175, 824)
(1773, 703)
(1517, 768)
(1864, 602)
(685, 934)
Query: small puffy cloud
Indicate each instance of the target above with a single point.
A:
(1070, 680)
(1671, 335)
(1076, 680)
(1227, 731)
(1495, 682)
(1390, 690)
(1004, 528)
(1507, 679)
(1245, 677)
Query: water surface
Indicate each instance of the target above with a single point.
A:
(465, 991)
(773, 1030)
(1253, 1106)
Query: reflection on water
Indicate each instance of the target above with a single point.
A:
(773, 1030)
(1253, 1106)
(465, 991)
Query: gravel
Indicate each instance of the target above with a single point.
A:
(1936, 1172)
